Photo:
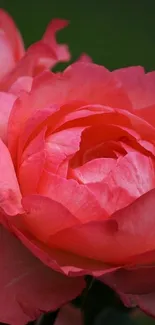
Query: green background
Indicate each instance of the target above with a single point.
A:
(114, 33)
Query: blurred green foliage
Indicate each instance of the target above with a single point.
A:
(114, 33)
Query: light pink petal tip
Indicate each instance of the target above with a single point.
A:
(12, 33)
(11, 44)
(61, 50)
(40, 56)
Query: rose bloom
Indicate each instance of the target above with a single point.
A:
(78, 173)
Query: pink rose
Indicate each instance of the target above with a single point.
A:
(78, 175)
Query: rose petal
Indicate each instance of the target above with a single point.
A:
(128, 233)
(11, 44)
(61, 146)
(8, 26)
(135, 280)
(85, 58)
(99, 86)
(7, 61)
(93, 171)
(32, 164)
(25, 294)
(46, 217)
(61, 50)
(146, 303)
(28, 64)
(6, 104)
(132, 176)
(26, 117)
(58, 259)
(75, 197)
(21, 84)
(10, 196)
(139, 86)
(69, 315)
(40, 56)
(135, 286)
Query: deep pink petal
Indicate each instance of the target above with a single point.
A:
(135, 280)
(27, 287)
(10, 196)
(145, 303)
(6, 105)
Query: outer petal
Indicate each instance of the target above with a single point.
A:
(6, 104)
(8, 26)
(10, 196)
(69, 315)
(58, 259)
(135, 280)
(145, 302)
(7, 61)
(61, 50)
(28, 64)
(85, 58)
(139, 86)
(40, 56)
(136, 287)
(11, 45)
(128, 233)
(82, 81)
(27, 287)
